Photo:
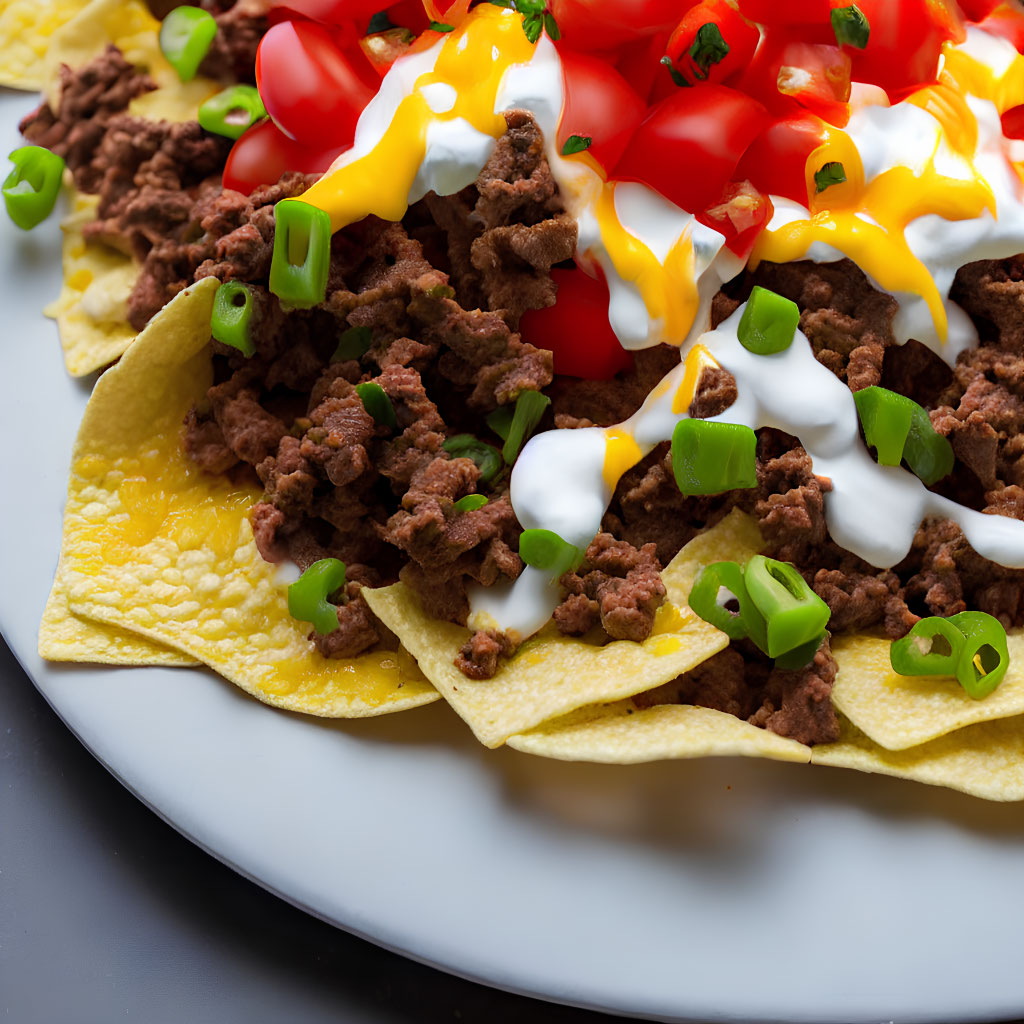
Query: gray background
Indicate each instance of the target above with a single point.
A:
(108, 914)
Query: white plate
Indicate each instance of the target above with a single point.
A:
(721, 890)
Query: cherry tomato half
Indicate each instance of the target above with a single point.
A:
(1006, 21)
(309, 86)
(576, 328)
(263, 153)
(599, 103)
(689, 144)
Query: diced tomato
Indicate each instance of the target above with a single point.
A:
(639, 62)
(263, 153)
(599, 103)
(776, 160)
(576, 328)
(787, 12)
(905, 43)
(689, 144)
(607, 24)
(328, 12)
(740, 215)
(736, 31)
(382, 49)
(1006, 21)
(1013, 123)
(311, 89)
(817, 76)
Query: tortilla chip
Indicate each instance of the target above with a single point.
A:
(129, 25)
(91, 311)
(157, 547)
(985, 760)
(64, 636)
(26, 29)
(552, 674)
(620, 733)
(897, 711)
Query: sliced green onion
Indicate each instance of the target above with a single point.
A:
(710, 458)
(576, 144)
(307, 596)
(708, 48)
(832, 173)
(851, 26)
(545, 550)
(985, 657)
(353, 344)
(708, 601)
(530, 406)
(232, 316)
(185, 37)
(500, 421)
(377, 403)
(931, 648)
(800, 656)
(794, 614)
(302, 254)
(928, 453)
(885, 417)
(768, 323)
(31, 189)
(232, 111)
(898, 428)
(486, 457)
(470, 503)
(441, 26)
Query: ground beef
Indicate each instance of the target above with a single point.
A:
(89, 98)
(478, 656)
(741, 681)
(232, 54)
(618, 587)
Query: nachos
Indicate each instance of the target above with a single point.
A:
(643, 390)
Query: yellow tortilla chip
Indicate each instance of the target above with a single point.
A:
(985, 760)
(129, 25)
(91, 309)
(620, 733)
(157, 547)
(552, 674)
(64, 636)
(897, 711)
(26, 29)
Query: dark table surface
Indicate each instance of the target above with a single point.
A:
(108, 914)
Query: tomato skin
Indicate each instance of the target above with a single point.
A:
(740, 216)
(776, 160)
(739, 34)
(311, 89)
(787, 12)
(328, 12)
(704, 131)
(600, 103)
(607, 24)
(576, 328)
(976, 10)
(638, 63)
(263, 153)
(905, 43)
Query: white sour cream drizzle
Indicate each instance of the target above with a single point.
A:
(558, 482)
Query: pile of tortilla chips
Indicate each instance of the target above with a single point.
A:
(159, 566)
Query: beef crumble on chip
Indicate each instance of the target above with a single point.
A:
(589, 546)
